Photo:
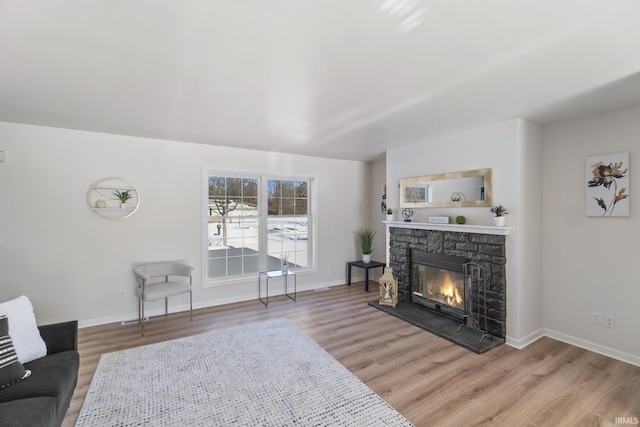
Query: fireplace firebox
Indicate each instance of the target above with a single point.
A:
(439, 283)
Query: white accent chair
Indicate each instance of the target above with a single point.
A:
(174, 282)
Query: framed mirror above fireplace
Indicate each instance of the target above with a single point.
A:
(472, 188)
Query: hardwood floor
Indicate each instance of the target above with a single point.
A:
(426, 378)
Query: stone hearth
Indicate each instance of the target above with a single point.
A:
(441, 326)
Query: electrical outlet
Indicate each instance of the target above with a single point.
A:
(121, 294)
(610, 321)
(596, 318)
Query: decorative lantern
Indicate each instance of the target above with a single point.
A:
(388, 288)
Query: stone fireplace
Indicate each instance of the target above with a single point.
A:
(482, 245)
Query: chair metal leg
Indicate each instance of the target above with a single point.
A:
(142, 318)
(166, 306)
(191, 306)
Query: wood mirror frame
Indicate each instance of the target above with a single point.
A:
(471, 188)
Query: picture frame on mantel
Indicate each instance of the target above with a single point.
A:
(607, 185)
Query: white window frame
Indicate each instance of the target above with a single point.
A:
(262, 178)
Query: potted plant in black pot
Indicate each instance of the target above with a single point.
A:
(365, 239)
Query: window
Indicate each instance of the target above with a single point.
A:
(288, 222)
(233, 226)
(253, 221)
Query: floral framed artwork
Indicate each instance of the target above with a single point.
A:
(607, 185)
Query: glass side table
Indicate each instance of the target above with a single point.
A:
(271, 274)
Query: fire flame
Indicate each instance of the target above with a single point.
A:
(449, 290)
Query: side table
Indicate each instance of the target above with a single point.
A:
(272, 274)
(367, 267)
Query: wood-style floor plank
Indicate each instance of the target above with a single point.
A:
(429, 380)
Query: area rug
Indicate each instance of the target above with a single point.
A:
(263, 374)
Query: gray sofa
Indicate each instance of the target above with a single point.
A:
(44, 397)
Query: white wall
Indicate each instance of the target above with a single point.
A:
(72, 263)
(590, 263)
(527, 308)
(378, 177)
(492, 146)
(512, 150)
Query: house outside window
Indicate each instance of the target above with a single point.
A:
(252, 221)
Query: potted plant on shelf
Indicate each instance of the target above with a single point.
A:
(389, 214)
(365, 238)
(123, 196)
(499, 213)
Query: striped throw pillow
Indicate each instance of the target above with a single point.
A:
(11, 370)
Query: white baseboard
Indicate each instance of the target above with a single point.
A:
(518, 343)
(596, 348)
(202, 304)
(521, 343)
(105, 320)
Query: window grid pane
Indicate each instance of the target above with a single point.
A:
(234, 231)
(288, 221)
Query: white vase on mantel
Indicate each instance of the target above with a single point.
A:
(366, 258)
(499, 221)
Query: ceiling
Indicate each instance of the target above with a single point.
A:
(332, 78)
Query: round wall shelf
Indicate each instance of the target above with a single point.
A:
(103, 198)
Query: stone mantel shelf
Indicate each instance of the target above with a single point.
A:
(461, 228)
